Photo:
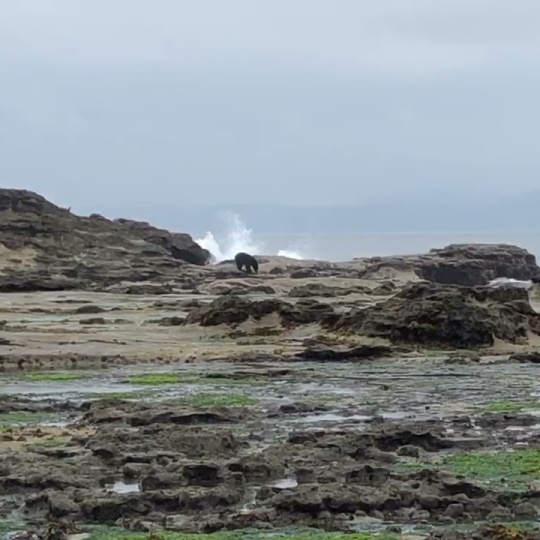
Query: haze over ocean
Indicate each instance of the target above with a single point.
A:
(238, 236)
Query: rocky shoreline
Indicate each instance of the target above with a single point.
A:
(146, 390)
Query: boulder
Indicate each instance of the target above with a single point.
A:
(462, 264)
(531, 357)
(45, 247)
(232, 309)
(236, 287)
(478, 264)
(445, 316)
(343, 354)
(309, 290)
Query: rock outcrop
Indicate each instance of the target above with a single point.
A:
(446, 316)
(462, 264)
(323, 353)
(179, 245)
(477, 264)
(43, 246)
(232, 309)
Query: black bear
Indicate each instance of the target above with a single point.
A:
(246, 260)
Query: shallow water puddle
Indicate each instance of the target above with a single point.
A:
(66, 389)
(403, 388)
(285, 483)
(333, 417)
(55, 423)
(397, 415)
(251, 502)
(123, 487)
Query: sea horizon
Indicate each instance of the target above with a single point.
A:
(347, 246)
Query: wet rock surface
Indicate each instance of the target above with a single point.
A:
(220, 446)
(323, 353)
(448, 316)
(233, 309)
(388, 394)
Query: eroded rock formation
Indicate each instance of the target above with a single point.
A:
(462, 264)
(45, 247)
(445, 315)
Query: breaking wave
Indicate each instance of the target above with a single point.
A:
(238, 237)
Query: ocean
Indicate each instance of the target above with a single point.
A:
(346, 247)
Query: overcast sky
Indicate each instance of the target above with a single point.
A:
(305, 101)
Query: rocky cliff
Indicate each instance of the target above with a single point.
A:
(43, 246)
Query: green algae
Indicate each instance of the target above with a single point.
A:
(156, 379)
(503, 469)
(54, 376)
(15, 418)
(104, 533)
(512, 406)
(218, 400)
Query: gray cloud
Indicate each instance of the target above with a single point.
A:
(315, 101)
(345, 35)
